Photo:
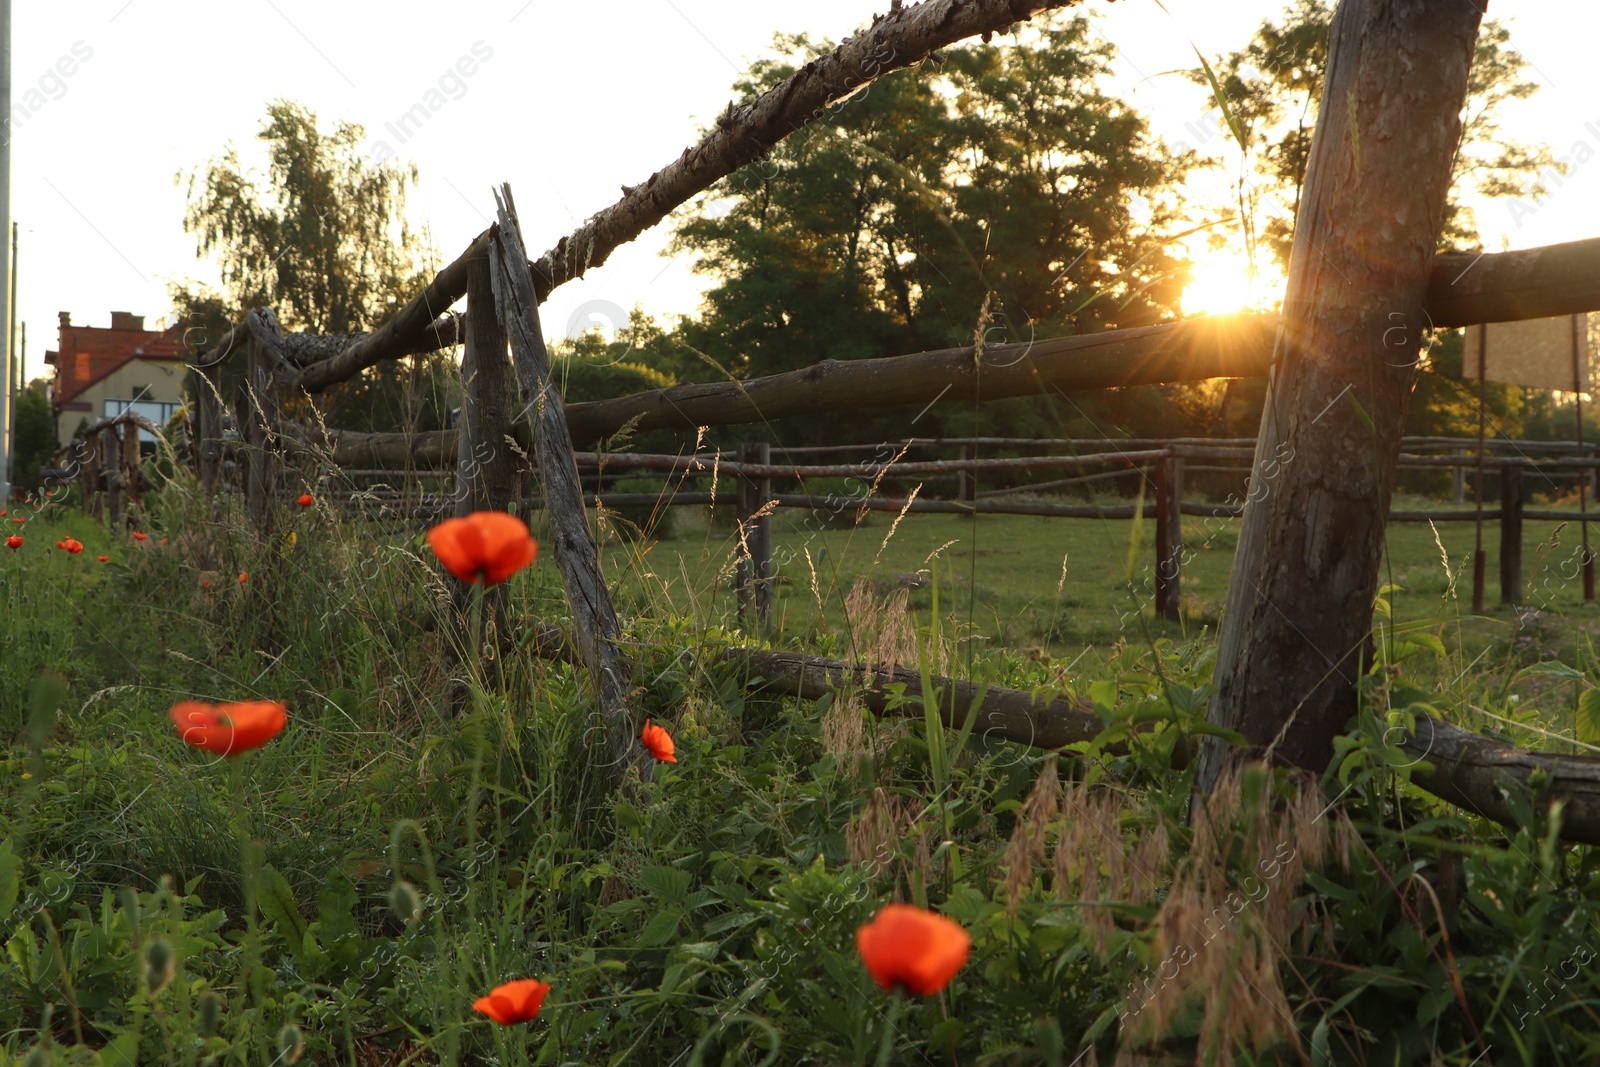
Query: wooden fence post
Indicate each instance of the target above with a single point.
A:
(486, 467)
(112, 470)
(596, 629)
(753, 572)
(1458, 477)
(1511, 534)
(263, 470)
(131, 457)
(208, 425)
(89, 474)
(1169, 533)
(966, 484)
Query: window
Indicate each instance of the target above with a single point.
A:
(157, 411)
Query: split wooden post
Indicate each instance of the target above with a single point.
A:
(112, 470)
(596, 629)
(1458, 477)
(208, 424)
(1169, 533)
(131, 457)
(753, 570)
(1511, 533)
(89, 474)
(485, 470)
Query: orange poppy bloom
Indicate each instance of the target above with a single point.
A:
(905, 945)
(140, 535)
(244, 576)
(487, 546)
(305, 500)
(659, 742)
(73, 545)
(514, 1002)
(13, 542)
(102, 559)
(228, 729)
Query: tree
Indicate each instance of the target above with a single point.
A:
(35, 435)
(321, 238)
(1273, 88)
(1001, 194)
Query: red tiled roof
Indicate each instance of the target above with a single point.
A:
(89, 353)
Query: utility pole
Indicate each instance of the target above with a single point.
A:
(7, 291)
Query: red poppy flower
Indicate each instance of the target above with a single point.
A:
(140, 535)
(514, 1002)
(228, 729)
(73, 545)
(905, 945)
(659, 742)
(163, 540)
(205, 583)
(488, 546)
(4, 513)
(13, 542)
(49, 492)
(305, 500)
(102, 559)
(61, 545)
(19, 520)
(244, 576)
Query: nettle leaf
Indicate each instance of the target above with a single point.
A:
(660, 929)
(1589, 716)
(668, 883)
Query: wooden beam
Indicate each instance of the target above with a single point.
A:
(595, 624)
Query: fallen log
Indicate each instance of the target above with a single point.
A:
(1473, 772)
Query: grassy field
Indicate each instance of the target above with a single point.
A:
(162, 906)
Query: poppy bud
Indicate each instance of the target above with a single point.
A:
(210, 1013)
(405, 902)
(291, 1046)
(160, 963)
(39, 1056)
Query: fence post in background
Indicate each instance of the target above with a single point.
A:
(208, 425)
(263, 474)
(112, 468)
(131, 457)
(753, 575)
(486, 467)
(966, 483)
(90, 475)
(1169, 533)
(1511, 534)
(1458, 477)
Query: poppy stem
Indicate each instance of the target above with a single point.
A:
(897, 1003)
(475, 641)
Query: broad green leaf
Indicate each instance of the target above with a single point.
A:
(1428, 641)
(659, 930)
(1589, 716)
(1221, 98)
(10, 876)
(1552, 668)
(277, 903)
(668, 883)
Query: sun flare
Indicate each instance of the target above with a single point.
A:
(1220, 284)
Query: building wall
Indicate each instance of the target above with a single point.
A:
(162, 377)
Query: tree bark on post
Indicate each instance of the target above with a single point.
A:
(1293, 641)
(753, 570)
(485, 472)
(1511, 534)
(111, 464)
(1169, 534)
(90, 475)
(596, 629)
(130, 461)
(208, 424)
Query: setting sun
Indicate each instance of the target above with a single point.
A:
(1220, 283)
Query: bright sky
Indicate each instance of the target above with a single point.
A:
(565, 105)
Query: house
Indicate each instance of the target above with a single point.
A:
(104, 372)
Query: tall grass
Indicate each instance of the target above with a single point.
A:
(707, 914)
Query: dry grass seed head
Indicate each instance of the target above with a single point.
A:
(872, 835)
(1041, 809)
